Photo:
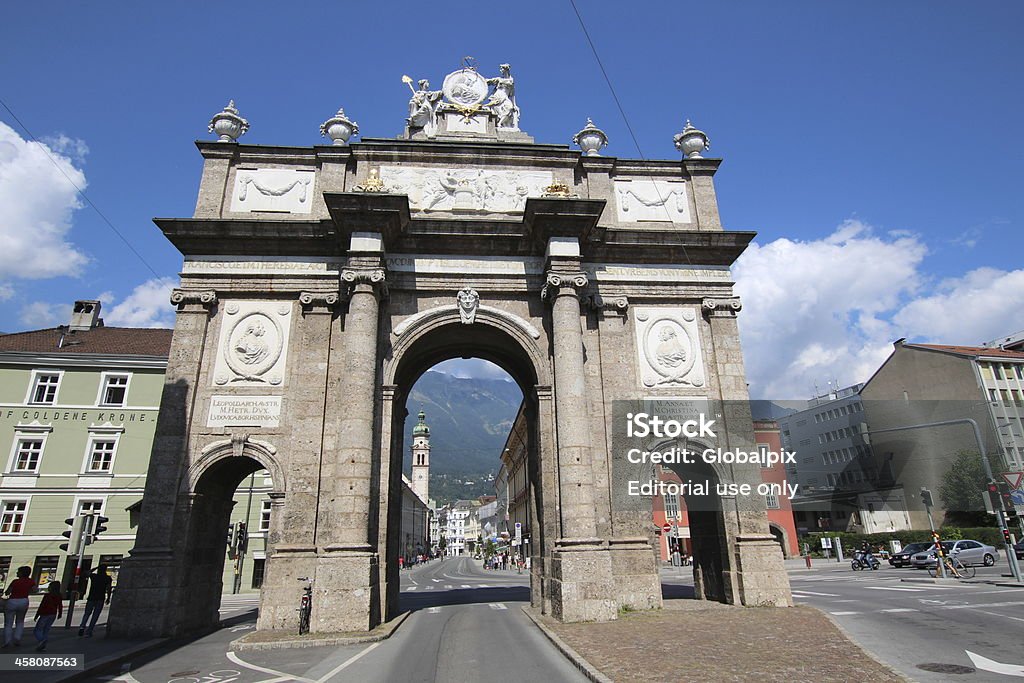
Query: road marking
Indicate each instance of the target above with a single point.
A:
(235, 659)
(824, 595)
(335, 670)
(986, 664)
(898, 609)
(428, 588)
(842, 614)
(497, 605)
(483, 585)
(436, 580)
(887, 588)
(989, 604)
(448, 586)
(433, 610)
(997, 614)
(466, 585)
(412, 588)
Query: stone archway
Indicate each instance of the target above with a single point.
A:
(317, 282)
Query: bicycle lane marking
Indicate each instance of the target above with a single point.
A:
(280, 675)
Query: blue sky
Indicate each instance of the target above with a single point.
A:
(874, 146)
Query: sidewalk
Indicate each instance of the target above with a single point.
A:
(97, 652)
(706, 641)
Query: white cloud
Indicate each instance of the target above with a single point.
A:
(818, 310)
(471, 367)
(830, 309)
(36, 204)
(6, 291)
(41, 314)
(147, 306)
(984, 304)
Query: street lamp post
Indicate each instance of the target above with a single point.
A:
(1000, 515)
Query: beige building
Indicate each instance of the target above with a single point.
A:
(927, 383)
(513, 477)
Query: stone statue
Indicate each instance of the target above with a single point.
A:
(468, 300)
(423, 108)
(503, 99)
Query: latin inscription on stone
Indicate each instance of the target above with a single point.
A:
(254, 265)
(668, 347)
(469, 190)
(273, 189)
(248, 411)
(652, 200)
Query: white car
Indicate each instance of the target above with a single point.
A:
(966, 550)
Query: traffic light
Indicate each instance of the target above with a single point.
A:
(994, 500)
(1006, 500)
(926, 498)
(231, 535)
(73, 534)
(243, 537)
(1006, 535)
(95, 525)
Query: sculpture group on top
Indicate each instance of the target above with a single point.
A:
(467, 92)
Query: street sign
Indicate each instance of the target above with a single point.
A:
(1013, 479)
(519, 530)
(666, 527)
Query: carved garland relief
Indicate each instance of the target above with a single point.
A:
(668, 347)
(253, 343)
(652, 200)
(465, 189)
(272, 189)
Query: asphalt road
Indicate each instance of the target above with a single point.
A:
(907, 624)
(466, 626)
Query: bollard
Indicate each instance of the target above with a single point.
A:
(807, 558)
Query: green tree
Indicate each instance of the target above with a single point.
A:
(963, 486)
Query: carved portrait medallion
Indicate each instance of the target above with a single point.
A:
(668, 346)
(465, 88)
(253, 341)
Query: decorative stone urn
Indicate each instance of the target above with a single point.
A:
(228, 124)
(691, 142)
(339, 128)
(591, 139)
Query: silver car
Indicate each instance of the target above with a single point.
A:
(967, 551)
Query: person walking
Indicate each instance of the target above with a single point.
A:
(50, 610)
(17, 606)
(100, 587)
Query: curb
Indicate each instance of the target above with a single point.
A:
(585, 667)
(865, 651)
(110, 661)
(384, 631)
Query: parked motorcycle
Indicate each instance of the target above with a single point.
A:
(863, 560)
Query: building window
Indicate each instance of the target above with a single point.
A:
(771, 501)
(89, 507)
(671, 506)
(1018, 370)
(27, 455)
(101, 456)
(997, 371)
(44, 389)
(5, 569)
(113, 565)
(762, 448)
(114, 390)
(12, 519)
(45, 569)
(265, 518)
(257, 573)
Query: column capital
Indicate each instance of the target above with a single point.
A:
(721, 307)
(318, 302)
(564, 284)
(610, 304)
(354, 276)
(182, 298)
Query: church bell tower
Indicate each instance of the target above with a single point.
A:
(421, 458)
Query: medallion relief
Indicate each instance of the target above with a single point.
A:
(668, 347)
(253, 343)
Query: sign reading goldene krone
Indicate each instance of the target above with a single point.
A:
(247, 411)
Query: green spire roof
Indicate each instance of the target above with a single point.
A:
(421, 428)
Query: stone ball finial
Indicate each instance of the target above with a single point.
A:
(339, 128)
(591, 139)
(228, 125)
(691, 142)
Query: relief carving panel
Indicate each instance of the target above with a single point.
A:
(652, 200)
(469, 190)
(253, 343)
(668, 347)
(273, 189)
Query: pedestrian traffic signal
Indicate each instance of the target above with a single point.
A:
(243, 537)
(1006, 499)
(73, 534)
(994, 500)
(926, 498)
(1006, 535)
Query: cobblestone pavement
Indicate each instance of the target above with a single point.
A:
(700, 641)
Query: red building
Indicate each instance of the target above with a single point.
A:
(671, 509)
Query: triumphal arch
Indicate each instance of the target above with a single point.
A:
(320, 282)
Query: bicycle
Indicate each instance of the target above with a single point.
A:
(954, 568)
(305, 605)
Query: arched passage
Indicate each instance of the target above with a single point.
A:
(440, 335)
(211, 482)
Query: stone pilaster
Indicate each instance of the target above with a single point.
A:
(146, 600)
(581, 568)
(347, 578)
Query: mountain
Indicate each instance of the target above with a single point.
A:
(469, 420)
